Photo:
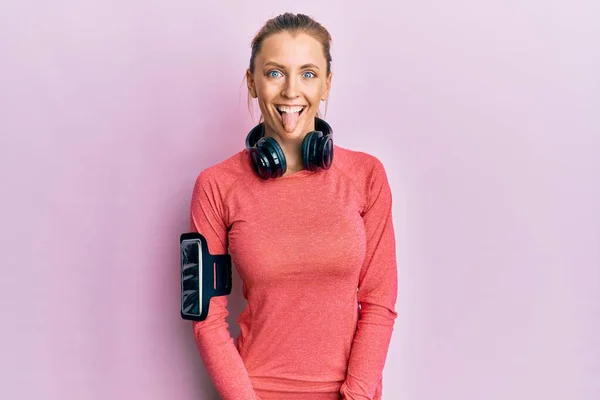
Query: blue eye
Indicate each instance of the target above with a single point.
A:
(310, 76)
(271, 74)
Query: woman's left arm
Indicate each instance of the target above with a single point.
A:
(377, 293)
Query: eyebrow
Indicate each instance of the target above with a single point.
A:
(309, 65)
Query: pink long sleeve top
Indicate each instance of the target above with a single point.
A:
(316, 254)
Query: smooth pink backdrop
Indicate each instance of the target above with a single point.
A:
(486, 116)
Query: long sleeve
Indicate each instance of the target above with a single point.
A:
(213, 339)
(377, 293)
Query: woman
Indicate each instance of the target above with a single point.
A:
(309, 233)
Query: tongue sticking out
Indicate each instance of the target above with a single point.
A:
(290, 120)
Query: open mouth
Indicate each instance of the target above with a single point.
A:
(296, 109)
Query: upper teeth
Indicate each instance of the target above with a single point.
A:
(290, 109)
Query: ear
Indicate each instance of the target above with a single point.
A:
(327, 87)
(250, 83)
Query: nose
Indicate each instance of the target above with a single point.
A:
(290, 88)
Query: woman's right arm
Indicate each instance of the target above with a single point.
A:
(213, 339)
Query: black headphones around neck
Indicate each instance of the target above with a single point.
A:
(268, 160)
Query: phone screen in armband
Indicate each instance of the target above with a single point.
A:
(191, 278)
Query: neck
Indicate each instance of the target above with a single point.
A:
(291, 147)
(292, 150)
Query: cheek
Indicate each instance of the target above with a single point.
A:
(315, 97)
(265, 89)
(263, 107)
(316, 91)
(265, 100)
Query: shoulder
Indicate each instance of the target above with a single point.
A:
(223, 175)
(367, 173)
(361, 166)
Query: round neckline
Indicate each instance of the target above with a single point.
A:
(298, 174)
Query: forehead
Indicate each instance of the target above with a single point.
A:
(285, 49)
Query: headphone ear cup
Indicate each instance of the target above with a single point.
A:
(277, 161)
(260, 162)
(326, 152)
(309, 150)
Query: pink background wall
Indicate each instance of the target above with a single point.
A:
(486, 116)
